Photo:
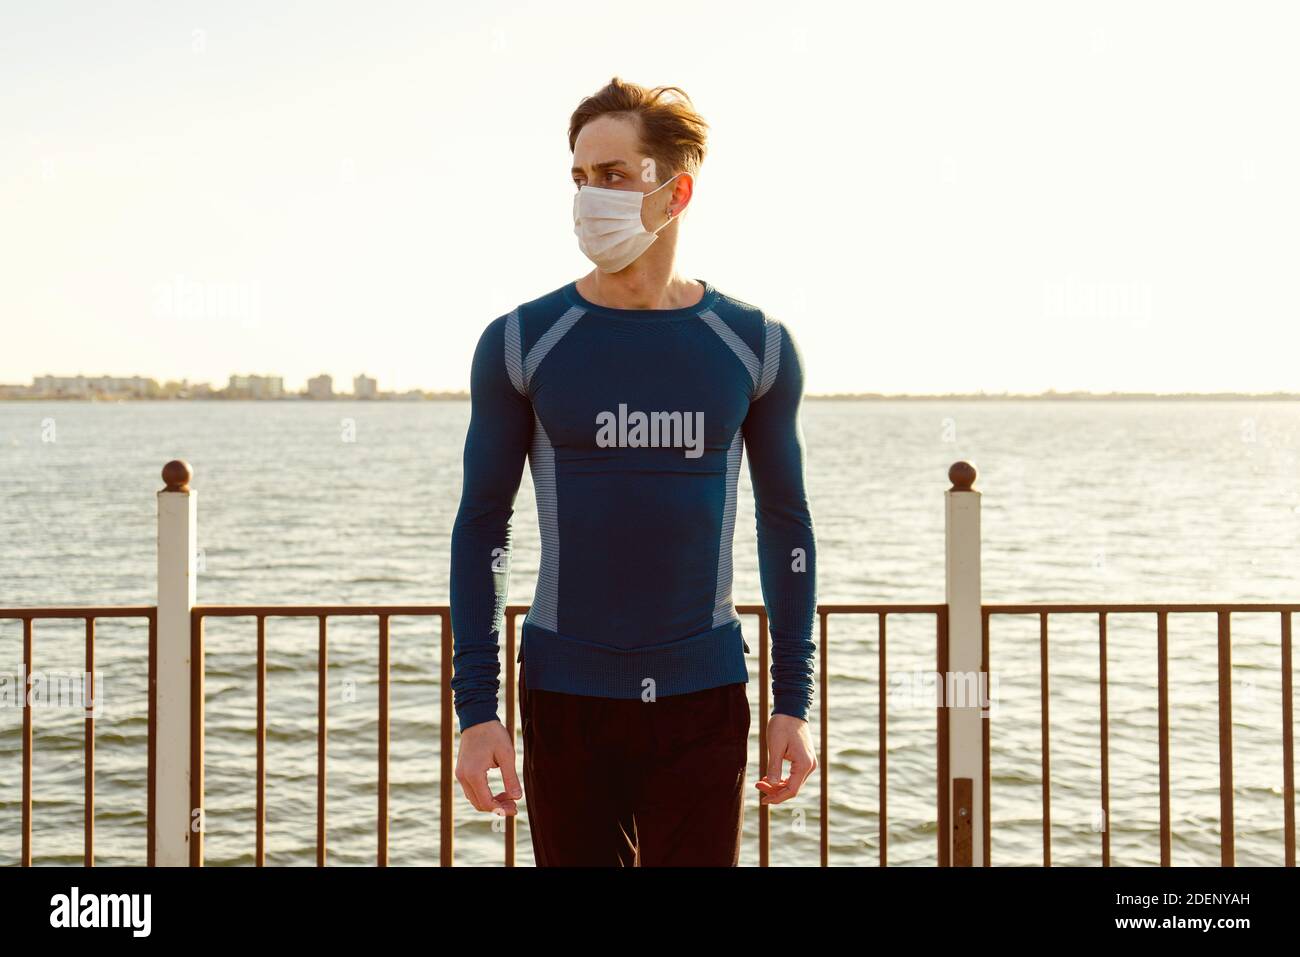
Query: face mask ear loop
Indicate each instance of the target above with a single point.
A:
(670, 215)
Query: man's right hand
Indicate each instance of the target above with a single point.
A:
(484, 746)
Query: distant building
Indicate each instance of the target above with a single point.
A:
(364, 387)
(320, 387)
(255, 387)
(185, 389)
(87, 387)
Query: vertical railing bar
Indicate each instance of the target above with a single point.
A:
(382, 855)
(883, 736)
(1162, 699)
(27, 742)
(764, 680)
(510, 726)
(445, 730)
(1105, 739)
(152, 746)
(1043, 682)
(1227, 820)
(261, 740)
(943, 764)
(823, 759)
(1288, 757)
(986, 734)
(89, 849)
(322, 734)
(197, 711)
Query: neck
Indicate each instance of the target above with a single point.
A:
(646, 284)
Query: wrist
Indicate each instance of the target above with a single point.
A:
(477, 714)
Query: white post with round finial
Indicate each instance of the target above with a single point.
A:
(965, 687)
(177, 547)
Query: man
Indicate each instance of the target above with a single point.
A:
(630, 391)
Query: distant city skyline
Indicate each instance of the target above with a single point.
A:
(238, 385)
(320, 387)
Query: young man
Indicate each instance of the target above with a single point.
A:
(630, 391)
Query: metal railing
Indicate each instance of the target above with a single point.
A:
(176, 712)
(1223, 611)
(89, 616)
(384, 613)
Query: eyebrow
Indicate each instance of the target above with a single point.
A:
(611, 164)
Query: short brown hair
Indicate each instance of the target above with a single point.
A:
(672, 133)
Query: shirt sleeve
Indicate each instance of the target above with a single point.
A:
(496, 446)
(786, 541)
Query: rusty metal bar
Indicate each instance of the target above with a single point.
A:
(27, 743)
(1162, 695)
(1288, 757)
(78, 611)
(314, 611)
(322, 734)
(510, 727)
(1046, 739)
(942, 634)
(872, 608)
(1143, 607)
(824, 735)
(764, 683)
(89, 814)
(446, 719)
(382, 860)
(1105, 741)
(943, 764)
(261, 740)
(198, 668)
(151, 828)
(1227, 821)
(882, 750)
(986, 734)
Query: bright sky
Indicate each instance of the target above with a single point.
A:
(933, 197)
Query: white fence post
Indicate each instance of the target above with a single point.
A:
(177, 540)
(964, 685)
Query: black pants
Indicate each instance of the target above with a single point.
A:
(612, 782)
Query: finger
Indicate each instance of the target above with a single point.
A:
(509, 779)
(482, 796)
(774, 793)
(464, 786)
(800, 768)
(506, 804)
(775, 757)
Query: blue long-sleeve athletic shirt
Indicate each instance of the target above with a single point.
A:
(633, 423)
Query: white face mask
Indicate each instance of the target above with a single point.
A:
(608, 225)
